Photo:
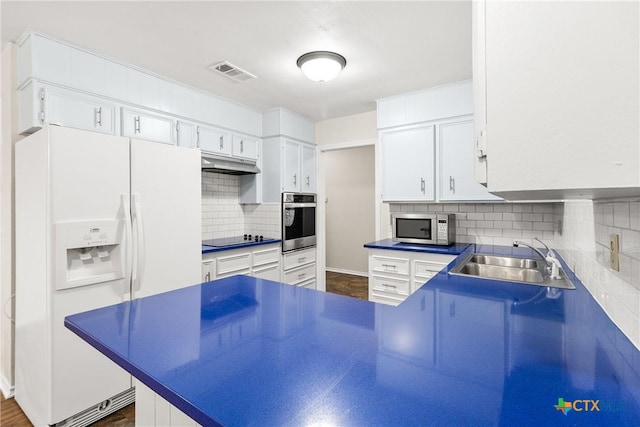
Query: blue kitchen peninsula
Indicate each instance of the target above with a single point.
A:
(458, 351)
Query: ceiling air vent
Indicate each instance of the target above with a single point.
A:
(232, 71)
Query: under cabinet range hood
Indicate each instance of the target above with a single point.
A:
(228, 166)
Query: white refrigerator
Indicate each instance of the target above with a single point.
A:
(100, 219)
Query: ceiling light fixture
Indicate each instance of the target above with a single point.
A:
(321, 66)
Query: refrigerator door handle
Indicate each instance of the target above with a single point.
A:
(127, 246)
(139, 252)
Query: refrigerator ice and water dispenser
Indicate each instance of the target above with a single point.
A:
(89, 252)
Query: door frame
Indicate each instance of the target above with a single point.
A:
(321, 257)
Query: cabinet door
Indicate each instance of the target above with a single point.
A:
(457, 178)
(308, 169)
(79, 111)
(408, 168)
(208, 270)
(186, 134)
(291, 164)
(245, 147)
(564, 101)
(144, 125)
(212, 140)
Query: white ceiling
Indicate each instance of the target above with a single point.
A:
(391, 47)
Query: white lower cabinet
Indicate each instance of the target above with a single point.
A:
(153, 410)
(208, 269)
(394, 275)
(266, 263)
(299, 268)
(258, 261)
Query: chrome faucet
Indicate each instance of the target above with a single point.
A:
(553, 265)
(549, 251)
(517, 243)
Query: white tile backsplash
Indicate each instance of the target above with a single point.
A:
(494, 223)
(584, 244)
(263, 219)
(224, 216)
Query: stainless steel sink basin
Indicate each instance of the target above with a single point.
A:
(505, 261)
(504, 273)
(509, 269)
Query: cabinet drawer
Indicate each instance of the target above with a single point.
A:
(390, 265)
(233, 264)
(266, 256)
(309, 284)
(427, 269)
(268, 271)
(390, 285)
(299, 275)
(384, 298)
(298, 258)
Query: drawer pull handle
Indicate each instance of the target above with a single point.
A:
(301, 275)
(389, 286)
(302, 259)
(389, 266)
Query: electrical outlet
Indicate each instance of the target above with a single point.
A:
(614, 249)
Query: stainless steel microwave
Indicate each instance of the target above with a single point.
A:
(424, 228)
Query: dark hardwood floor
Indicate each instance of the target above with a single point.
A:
(347, 284)
(344, 284)
(12, 416)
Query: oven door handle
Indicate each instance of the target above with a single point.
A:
(298, 205)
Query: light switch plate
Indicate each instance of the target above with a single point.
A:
(614, 249)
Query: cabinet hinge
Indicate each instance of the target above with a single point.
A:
(481, 144)
(41, 115)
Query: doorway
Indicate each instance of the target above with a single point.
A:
(349, 196)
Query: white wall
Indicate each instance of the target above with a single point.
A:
(350, 207)
(358, 127)
(338, 134)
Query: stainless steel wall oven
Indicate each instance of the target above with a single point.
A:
(298, 221)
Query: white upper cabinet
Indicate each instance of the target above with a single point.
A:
(308, 170)
(186, 135)
(142, 124)
(214, 141)
(456, 148)
(244, 147)
(66, 108)
(560, 84)
(292, 151)
(44, 60)
(407, 159)
(288, 159)
(413, 164)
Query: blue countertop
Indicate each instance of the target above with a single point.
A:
(459, 351)
(454, 249)
(208, 249)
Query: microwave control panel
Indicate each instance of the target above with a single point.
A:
(442, 229)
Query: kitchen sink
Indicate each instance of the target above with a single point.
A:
(505, 261)
(509, 269)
